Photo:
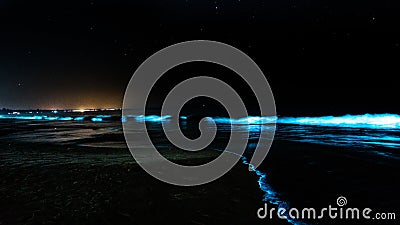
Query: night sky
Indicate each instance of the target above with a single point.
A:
(320, 57)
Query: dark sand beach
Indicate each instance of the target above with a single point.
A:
(66, 183)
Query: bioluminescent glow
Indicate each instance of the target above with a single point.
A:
(247, 120)
(251, 120)
(96, 119)
(371, 121)
(270, 195)
(68, 118)
(21, 117)
(152, 118)
(104, 116)
(124, 119)
(362, 139)
(51, 118)
(99, 118)
(79, 118)
(365, 131)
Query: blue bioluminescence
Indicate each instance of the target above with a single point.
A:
(65, 118)
(104, 116)
(371, 121)
(369, 130)
(247, 120)
(49, 118)
(270, 195)
(124, 119)
(152, 118)
(21, 117)
(251, 120)
(365, 131)
(97, 119)
(379, 130)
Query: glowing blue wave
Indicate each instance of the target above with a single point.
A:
(371, 121)
(251, 120)
(152, 118)
(99, 118)
(270, 195)
(96, 119)
(79, 118)
(18, 117)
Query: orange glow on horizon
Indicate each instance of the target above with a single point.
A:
(83, 110)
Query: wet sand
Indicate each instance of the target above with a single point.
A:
(117, 192)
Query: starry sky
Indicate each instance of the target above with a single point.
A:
(319, 56)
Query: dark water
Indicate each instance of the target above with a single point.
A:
(312, 161)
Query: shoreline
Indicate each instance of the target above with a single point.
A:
(79, 193)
